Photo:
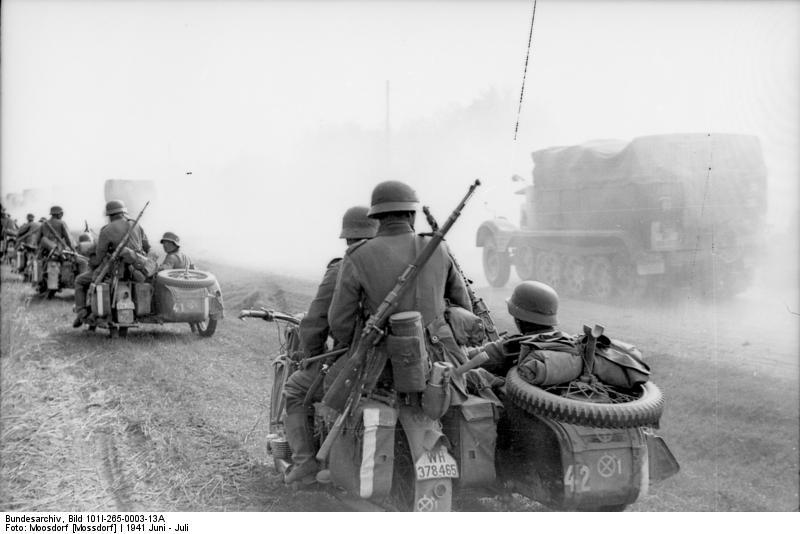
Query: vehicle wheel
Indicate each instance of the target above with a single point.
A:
(601, 278)
(575, 276)
(205, 328)
(186, 278)
(496, 264)
(524, 263)
(548, 269)
(404, 477)
(611, 409)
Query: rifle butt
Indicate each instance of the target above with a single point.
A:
(333, 435)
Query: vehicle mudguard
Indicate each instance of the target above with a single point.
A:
(499, 228)
(425, 436)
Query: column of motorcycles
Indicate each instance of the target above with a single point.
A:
(126, 290)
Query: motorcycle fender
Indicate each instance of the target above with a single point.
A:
(53, 272)
(425, 436)
(662, 462)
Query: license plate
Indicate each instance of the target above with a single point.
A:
(436, 464)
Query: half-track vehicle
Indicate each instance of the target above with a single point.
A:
(609, 219)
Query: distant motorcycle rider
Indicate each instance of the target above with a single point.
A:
(108, 240)
(175, 259)
(52, 230)
(314, 329)
(27, 237)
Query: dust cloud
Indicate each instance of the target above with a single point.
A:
(261, 123)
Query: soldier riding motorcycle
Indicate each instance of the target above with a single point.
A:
(57, 262)
(576, 444)
(126, 290)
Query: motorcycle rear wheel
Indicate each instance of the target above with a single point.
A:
(205, 328)
(644, 410)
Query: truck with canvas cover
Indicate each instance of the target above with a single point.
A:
(609, 219)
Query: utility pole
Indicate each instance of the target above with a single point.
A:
(388, 139)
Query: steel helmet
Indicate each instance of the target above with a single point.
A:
(356, 224)
(115, 206)
(56, 210)
(392, 196)
(172, 238)
(30, 217)
(534, 302)
(84, 237)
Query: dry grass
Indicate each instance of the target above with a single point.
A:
(168, 421)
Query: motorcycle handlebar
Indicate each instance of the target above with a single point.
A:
(269, 315)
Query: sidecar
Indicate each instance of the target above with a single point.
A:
(579, 454)
(171, 296)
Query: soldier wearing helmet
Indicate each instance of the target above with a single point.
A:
(534, 307)
(175, 258)
(108, 240)
(369, 272)
(27, 238)
(54, 229)
(314, 329)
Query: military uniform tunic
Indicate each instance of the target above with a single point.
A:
(57, 228)
(111, 235)
(314, 330)
(175, 260)
(370, 271)
(29, 233)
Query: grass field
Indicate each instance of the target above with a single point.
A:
(165, 420)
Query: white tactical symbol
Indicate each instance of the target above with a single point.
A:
(425, 504)
(606, 465)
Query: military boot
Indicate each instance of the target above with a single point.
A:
(304, 464)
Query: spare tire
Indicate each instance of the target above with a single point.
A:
(186, 278)
(645, 410)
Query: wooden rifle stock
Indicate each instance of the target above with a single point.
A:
(349, 384)
(479, 307)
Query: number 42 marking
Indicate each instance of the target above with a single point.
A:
(576, 478)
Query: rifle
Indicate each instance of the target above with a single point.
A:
(352, 379)
(107, 262)
(58, 237)
(479, 307)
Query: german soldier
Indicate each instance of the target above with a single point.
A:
(108, 240)
(534, 307)
(175, 258)
(26, 238)
(370, 271)
(54, 229)
(314, 328)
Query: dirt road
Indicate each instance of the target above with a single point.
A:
(167, 421)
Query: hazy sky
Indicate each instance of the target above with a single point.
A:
(278, 108)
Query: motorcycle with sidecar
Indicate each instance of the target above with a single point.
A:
(124, 299)
(579, 446)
